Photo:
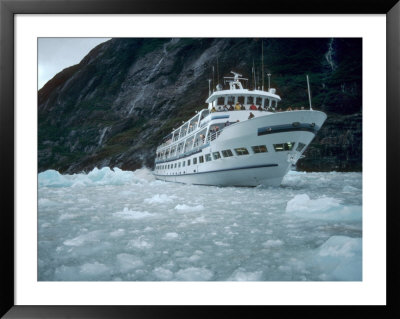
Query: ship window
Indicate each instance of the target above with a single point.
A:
(241, 99)
(216, 155)
(231, 100)
(266, 103)
(259, 149)
(201, 159)
(188, 162)
(208, 157)
(284, 146)
(227, 153)
(241, 151)
(179, 164)
(183, 164)
(250, 100)
(194, 160)
(300, 147)
(175, 165)
(221, 101)
(259, 101)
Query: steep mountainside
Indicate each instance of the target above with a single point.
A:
(113, 108)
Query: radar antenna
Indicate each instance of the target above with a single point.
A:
(234, 81)
(236, 76)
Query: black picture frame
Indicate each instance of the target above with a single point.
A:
(8, 10)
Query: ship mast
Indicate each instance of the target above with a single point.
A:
(262, 64)
(309, 93)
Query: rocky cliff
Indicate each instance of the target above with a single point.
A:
(113, 108)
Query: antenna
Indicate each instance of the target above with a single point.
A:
(309, 93)
(254, 74)
(213, 79)
(262, 63)
(209, 88)
(217, 72)
(269, 83)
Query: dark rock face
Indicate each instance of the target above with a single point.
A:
(337, 146)
(114, 107)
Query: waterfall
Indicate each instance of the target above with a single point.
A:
(329, 55)
(103, 133)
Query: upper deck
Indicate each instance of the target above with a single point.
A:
(236, 98)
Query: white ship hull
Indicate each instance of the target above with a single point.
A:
(255, 168)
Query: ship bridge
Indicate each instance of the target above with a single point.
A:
(236, 95)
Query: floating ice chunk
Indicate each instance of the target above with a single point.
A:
(52, 178)
(163, 274)
(241, 275)
(82, 239)
(187, 208)
(103, 176)
(350, 189)
(45, 202)
(171, 236)
(132, 214)
(322, 208)
(79, 184)
(220, 243)
(67, 216)
(284, 268)
(106, 176)
(200, 219)
(157, 183)
(143, 175)
(341, 246)
(193, 274)
(128, 262)
(304, 203)
(139, 243)
(66, 273)
(93, 269)
(194, 257)
(273, 243)
(340, 257)
(156, 199)
(117, 233)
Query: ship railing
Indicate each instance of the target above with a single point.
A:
(187, 152)
(213, 135)
(164, 144)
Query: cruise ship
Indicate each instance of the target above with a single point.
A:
(241, 139)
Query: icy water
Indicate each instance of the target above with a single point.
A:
(126, 226)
